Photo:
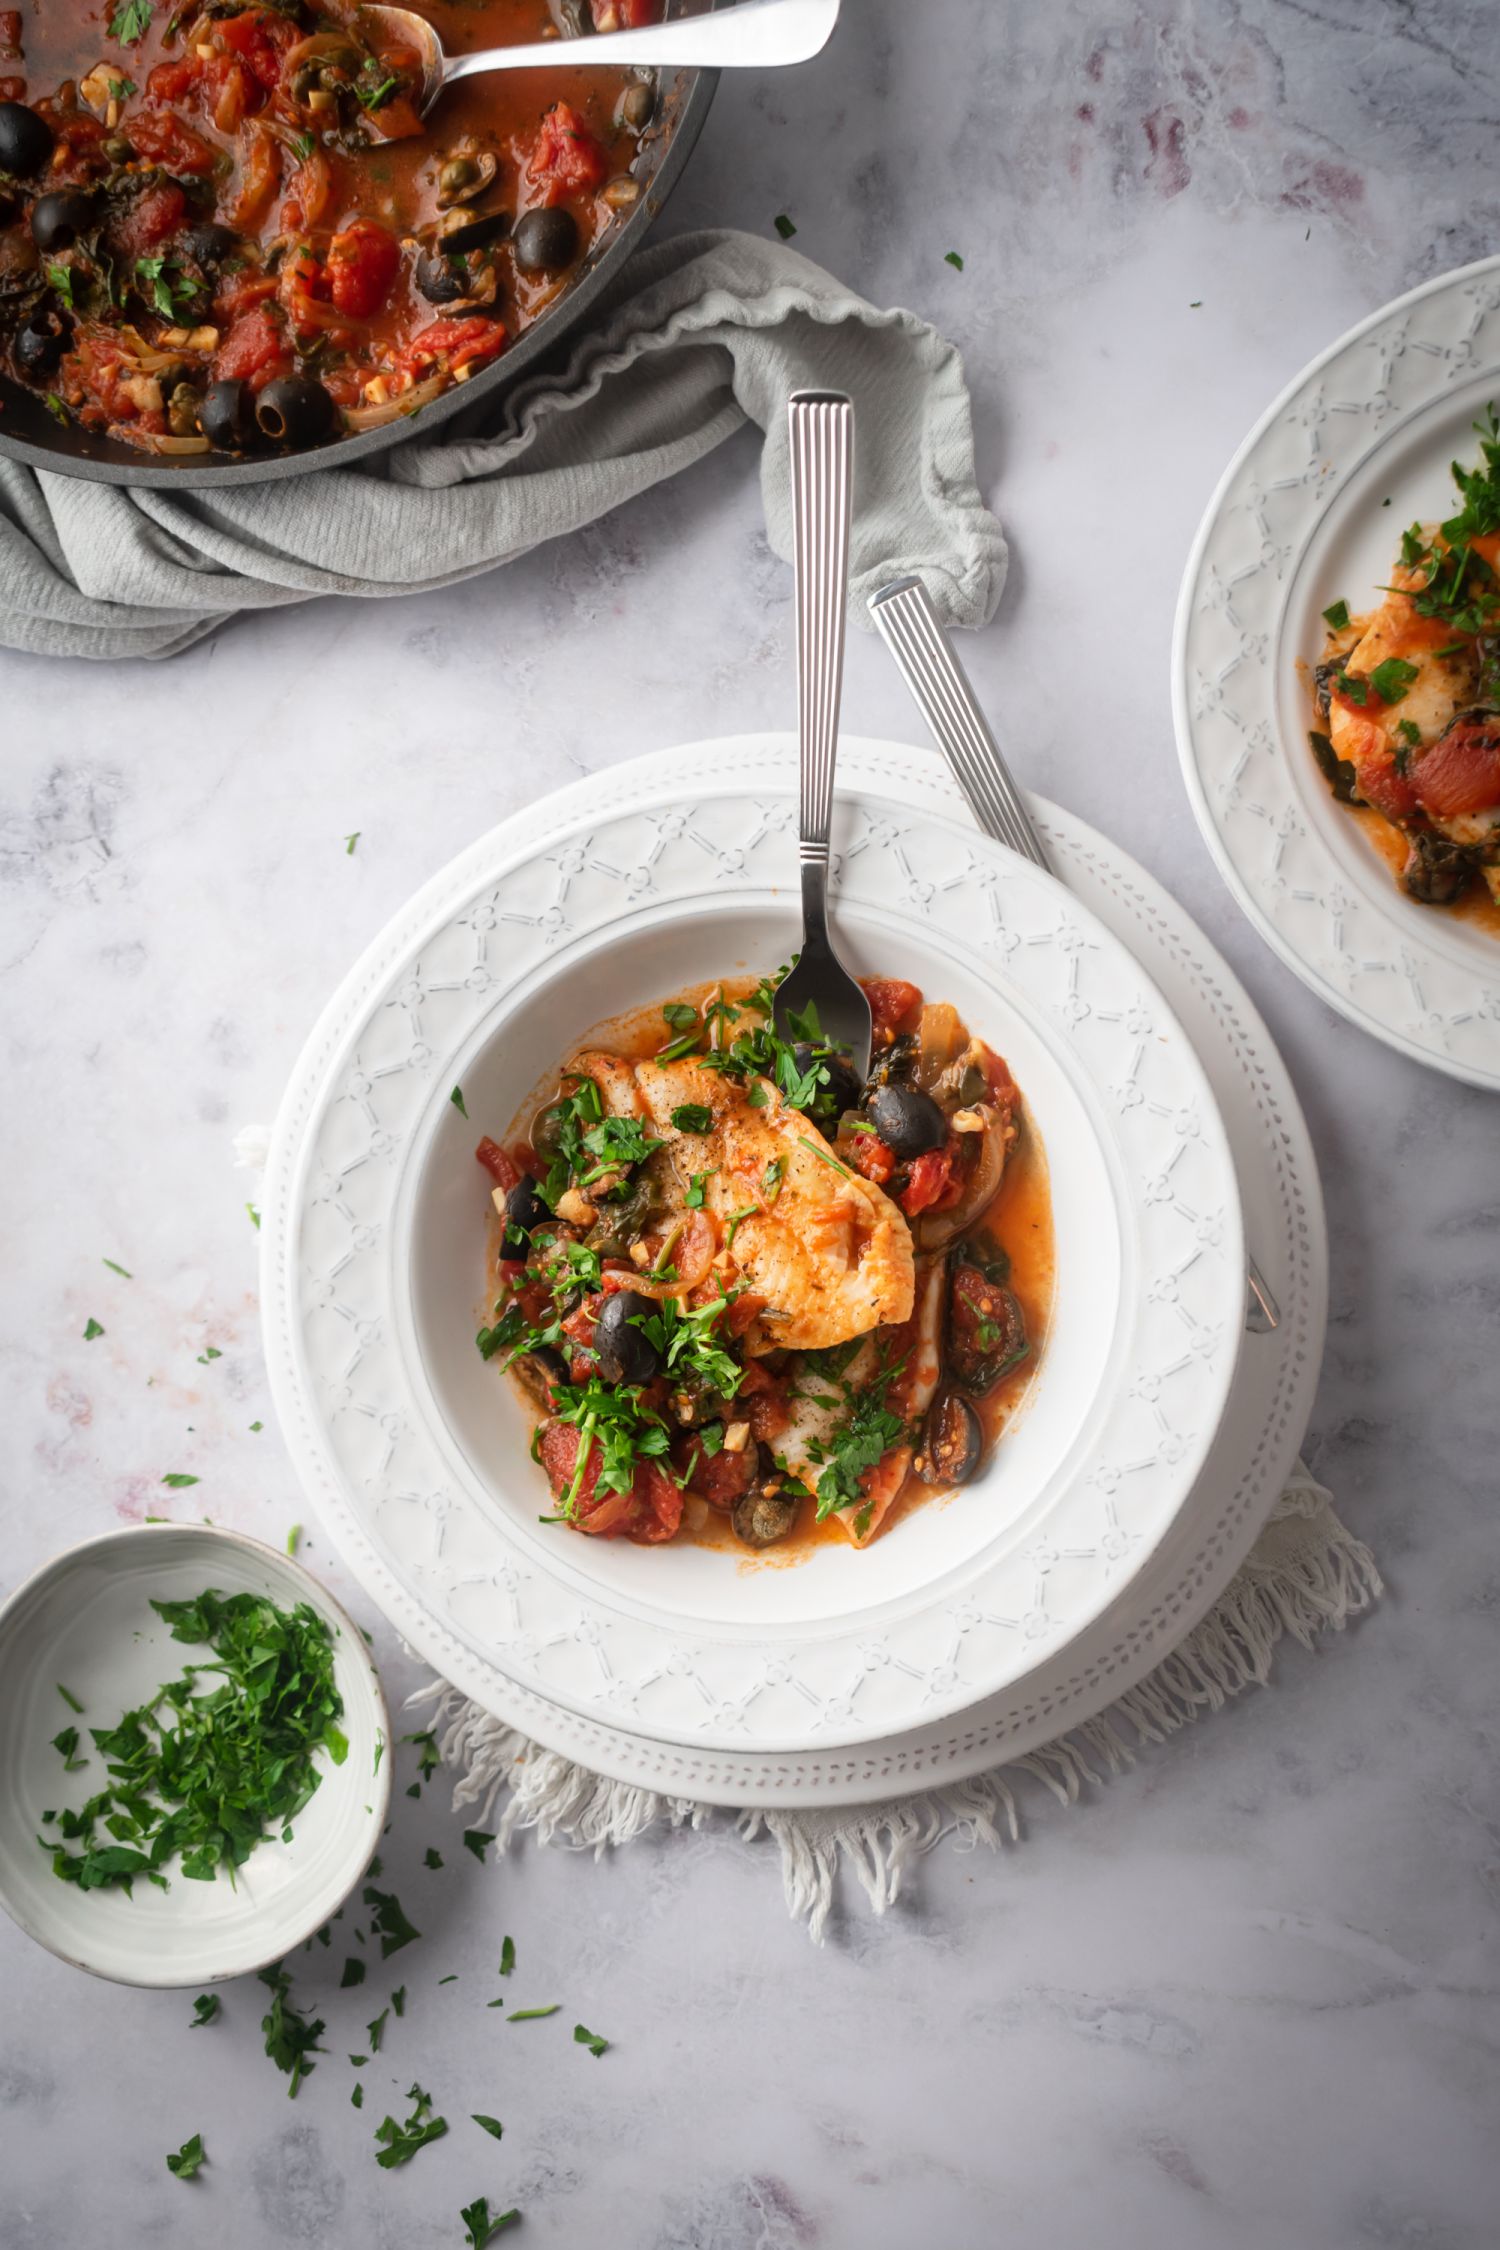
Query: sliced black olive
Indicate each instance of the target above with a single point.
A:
(41, 343)
(540, 1371)
(470, 230)
(1436, 871)
(894, 1065)
(907, 1120)
(209, 244)
(294, 410)
(768, 1511)
(60, 217)
(227, 416)
(25, 139)
(524, 1208)
(546, 241)
(439, 279)
(986, 1326)
(843, 1089)
(624, 1353)
(952, 1441)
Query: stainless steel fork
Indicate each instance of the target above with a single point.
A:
(909, 624)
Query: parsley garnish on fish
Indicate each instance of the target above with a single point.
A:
(859, 1444)
(692, 1117)
(221, 1770)
(614, 1423)
(695, 1197)
(1392, 680)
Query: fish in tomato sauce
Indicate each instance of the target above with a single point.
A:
(738, 1284)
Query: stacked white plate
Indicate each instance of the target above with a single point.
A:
(1157, 1433)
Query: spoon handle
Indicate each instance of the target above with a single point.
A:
(821, 428)
(755, 35)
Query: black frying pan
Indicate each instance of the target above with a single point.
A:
(29, 433)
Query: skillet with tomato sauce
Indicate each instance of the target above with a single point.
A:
(754, 1299)
(222, 227)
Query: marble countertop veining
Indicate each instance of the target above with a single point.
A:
(1247, 1996)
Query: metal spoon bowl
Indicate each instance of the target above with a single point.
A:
(756, 35)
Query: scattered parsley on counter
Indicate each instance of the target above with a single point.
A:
(475, 1840)
(403, 2141)
(212, 1352)
(590, 2039)
(398, 1999)
(491, 2125)
(952, 258)
(389, 1922)
(784, 226)
(185, 2163)
(376, 2032)
(507, 1957)
(358, 2095)
(93, 1329)
(293, 1538)
(354, 1973)
(224, 1769)
(253, 1215)
(534, 2015)
(205, 2008)
(120, 1270)
(350, 841)
(178, 1480)
(257, 1426)
(428, 1759)
(290, 2038)
(481, 2227)
(433, 1859)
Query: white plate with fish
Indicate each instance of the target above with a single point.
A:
(1342, 586)
(607, 899)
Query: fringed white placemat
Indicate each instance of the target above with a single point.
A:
(1305, 1574)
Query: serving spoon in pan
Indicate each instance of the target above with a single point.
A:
(820, 998)
(756, 35)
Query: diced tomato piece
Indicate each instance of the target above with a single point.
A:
(363, 261)
(625, 15)
(158, 137)
(239, 291)
(172, 82)
(743, 1313)
(150, 220)
(649, 1512)
(10, 34)
(719, 1478)
(566, 160)
(1389, 792)
(503, 1169)
(869, 1155)
(260, 40)
(254, 350)
(1461, 772)
(930, 1180)
(460, 343)
(891, 1000)
(761, 1401)
(1003, 1090)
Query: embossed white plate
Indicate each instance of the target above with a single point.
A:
(1300, 521)
(1259, 1436)
(609, 894)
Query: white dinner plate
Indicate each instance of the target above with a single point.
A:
(1300, 521)
(610, 894)
(1252, 1457)
(85, 1620)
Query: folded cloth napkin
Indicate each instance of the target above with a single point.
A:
(1305, 1573)
(699, 335)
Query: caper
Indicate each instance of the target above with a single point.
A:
(458, 173)
(621, 192)
(638, 105)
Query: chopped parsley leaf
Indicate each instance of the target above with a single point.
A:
(120, 1270)
(475, 1840)
(1392, 680)
(692, 1117)
(1337, 615)
(178, 1480)
(481, 2229)
(290, 2038)
(491, 2125)
(534, 2015)
(457, 1099)
(401, 2142)
(66, 1746)
(354, 1973)
(69, 1698)
(784, 226)
(433, 1859)
(185, 2163)
(389, 1923)
(507, 1956)
(952, 258)
(694, 1198)
(590, 2039)
(205, 2008)
(130, 21)
(354, 835)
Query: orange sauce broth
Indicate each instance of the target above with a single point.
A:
(1019, 1219)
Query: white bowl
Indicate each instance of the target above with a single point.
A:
(85, 1620)
(372, 1267)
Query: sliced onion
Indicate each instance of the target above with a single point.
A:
(178, 447)
(936, 1228)
(940, 1036)
(410, 402)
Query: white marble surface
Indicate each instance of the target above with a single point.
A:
(1247, 1997)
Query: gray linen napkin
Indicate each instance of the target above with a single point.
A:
(701, 334)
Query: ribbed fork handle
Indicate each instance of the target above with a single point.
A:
(821, 429)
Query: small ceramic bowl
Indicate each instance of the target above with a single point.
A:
(85, 1622)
